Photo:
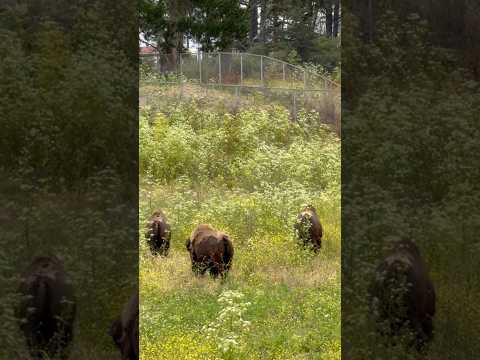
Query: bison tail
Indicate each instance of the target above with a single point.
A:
(227, 252)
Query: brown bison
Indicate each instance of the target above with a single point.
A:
(402, 296)
(47, 308)
(124, 330)
(210, 250)
(308, 229)
(158, 234)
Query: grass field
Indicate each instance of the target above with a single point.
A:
(248, 174)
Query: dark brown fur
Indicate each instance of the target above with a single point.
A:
(210, 250)
(308, 228)
(158, 234)
(47, 309)
(124, 330)
(402, 295)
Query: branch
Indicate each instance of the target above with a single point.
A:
(149, 44)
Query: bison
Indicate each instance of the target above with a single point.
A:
(210, 250)
(403, 297)
(47, 308)
(308, 229)
(124, 330)
(158, 234)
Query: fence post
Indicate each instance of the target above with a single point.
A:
(337, 126)
(241, 69)
(304, 79)
(181, 76)
(220, 68)
(261, 70)
(294, 107)
(283, 71)
(199, 57)
(181, 69)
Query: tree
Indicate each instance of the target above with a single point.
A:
(329, 20)
(253, 4)
(336, 18)
(218, 24)
(214, 24)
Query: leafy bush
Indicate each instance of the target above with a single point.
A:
(241, 150)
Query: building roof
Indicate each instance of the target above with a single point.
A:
(147, 50)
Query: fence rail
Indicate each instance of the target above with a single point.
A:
(240, 69)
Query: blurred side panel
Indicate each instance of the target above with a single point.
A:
(410, 145)
(69, 175)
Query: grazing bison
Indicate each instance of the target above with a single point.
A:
(158, 234)
(47, 308)
(402, 295)
(210, 249)
(124, 330)
(308, 228)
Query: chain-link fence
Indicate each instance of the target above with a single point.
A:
(245, 75)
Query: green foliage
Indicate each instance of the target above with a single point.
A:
(223, 21)
(288, 30)
(214, 24)
(59, 98)
(245, 149)
(326, 52)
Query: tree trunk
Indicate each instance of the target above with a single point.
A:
(253, 20)
(172, 60)
(370, 20)
(263, 21)
(336, 18)
(328, 21)
(276, 23)
(472, 37)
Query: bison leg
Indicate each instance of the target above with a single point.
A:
(153, 248)
(424, 333)
(427, 327)
(217, 269)
(214, 272)
(164, 248)
(198, 268)
(318, 244)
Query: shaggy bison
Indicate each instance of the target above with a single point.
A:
(402, 295)
(47, 308)
(124, 330)
(308, 228)
(158, 234)
(210, 249)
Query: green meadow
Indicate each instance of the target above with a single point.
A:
(247, 172)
